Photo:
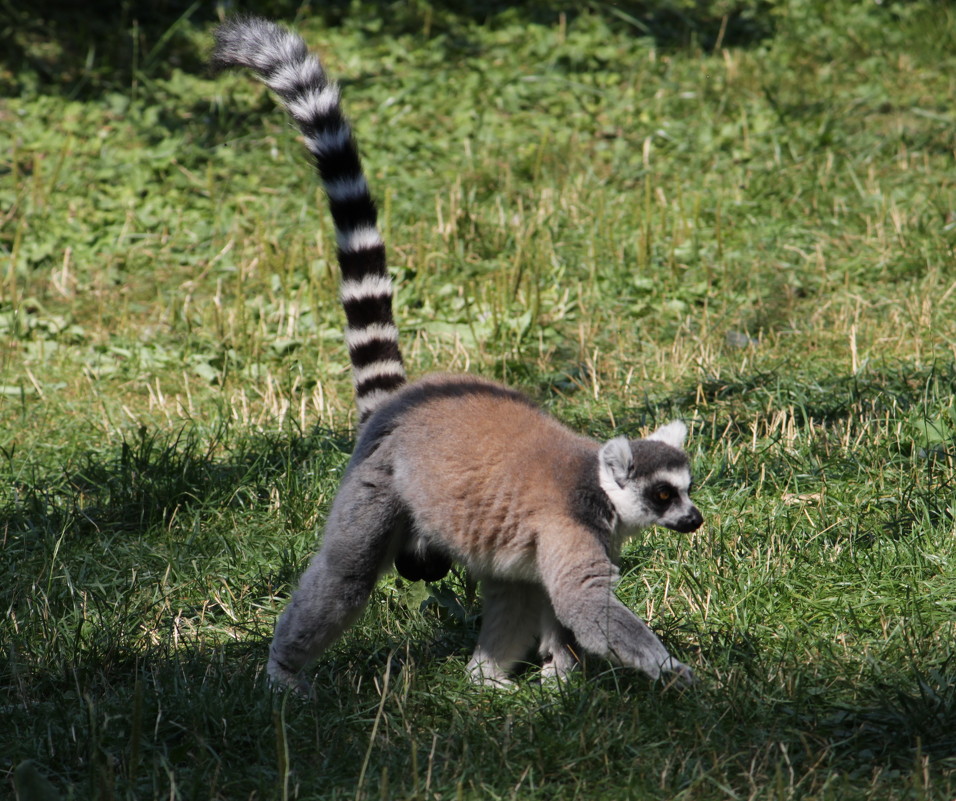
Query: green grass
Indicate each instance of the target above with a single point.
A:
(740, 213)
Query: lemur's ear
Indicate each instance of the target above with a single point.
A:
(672, 434)
(616, 459)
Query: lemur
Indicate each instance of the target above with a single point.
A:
(458, 468)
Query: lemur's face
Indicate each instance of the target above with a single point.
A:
(649, 480)
(659, 497)
(666, 497)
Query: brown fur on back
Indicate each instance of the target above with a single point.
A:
(482, 469)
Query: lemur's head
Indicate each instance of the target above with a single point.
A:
(648, 480)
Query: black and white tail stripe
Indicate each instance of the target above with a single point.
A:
(282, 61)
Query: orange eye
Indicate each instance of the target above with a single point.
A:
(664, 495)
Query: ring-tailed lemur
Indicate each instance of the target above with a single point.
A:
(456, 467)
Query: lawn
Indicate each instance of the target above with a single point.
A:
(741, 213)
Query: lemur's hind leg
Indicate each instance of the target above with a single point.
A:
(511, 621)
(359, 544)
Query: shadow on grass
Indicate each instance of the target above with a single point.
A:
(152, 540)
(202, 719)
(85, 50)
(112, 693)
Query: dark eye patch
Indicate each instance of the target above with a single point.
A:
(661, 495)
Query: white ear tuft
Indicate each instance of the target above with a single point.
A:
(616, 459)
(672, 434)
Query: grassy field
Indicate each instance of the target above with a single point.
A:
(740, 213)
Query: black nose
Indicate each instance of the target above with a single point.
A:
(689, 522)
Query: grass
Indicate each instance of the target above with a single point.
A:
(737, 213)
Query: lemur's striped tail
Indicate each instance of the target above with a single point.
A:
(282, 61)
